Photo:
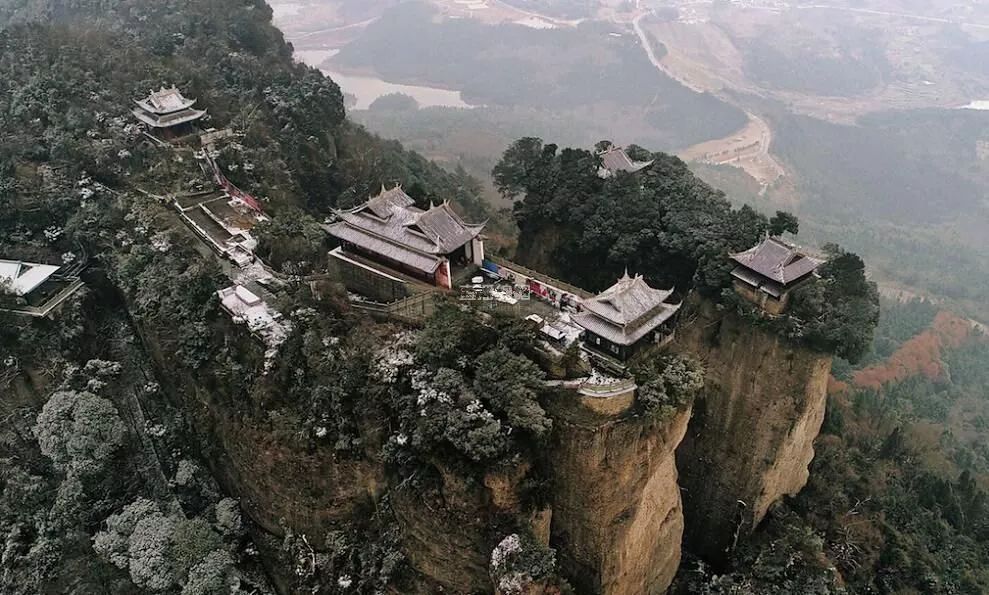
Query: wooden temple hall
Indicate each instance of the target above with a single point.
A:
(168, 114)
(626, 317)
(390, 234)
(767, 273)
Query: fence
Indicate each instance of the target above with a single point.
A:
(413, 310)
(607, 390)
(521, 271)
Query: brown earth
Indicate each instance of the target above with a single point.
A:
(617, 515)
(751, 437)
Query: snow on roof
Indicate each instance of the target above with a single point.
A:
(246, 307)
(626, 311)
(615, 160)
(24, 277)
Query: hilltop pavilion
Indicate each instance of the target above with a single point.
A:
(615, 160)
(391, 231)
(626, 317)
(766, 274)
(168, 113)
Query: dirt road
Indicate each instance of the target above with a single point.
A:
(747, 148)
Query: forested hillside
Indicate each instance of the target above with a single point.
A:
(897, 498)
(104, 486)
(151, 445)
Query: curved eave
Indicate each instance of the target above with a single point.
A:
(157, 123)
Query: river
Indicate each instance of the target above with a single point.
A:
(367, 88)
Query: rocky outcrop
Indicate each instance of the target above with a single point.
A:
(450, 526)
(617, 517)
(751, 437)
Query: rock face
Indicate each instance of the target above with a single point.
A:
(617, 516)
(450, 530)
(751, 436)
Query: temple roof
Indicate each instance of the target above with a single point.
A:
(165, 108)
(626, 311)
(776, 260)
(615, 160)
(165, 101)
(24, 277)
(392, 216)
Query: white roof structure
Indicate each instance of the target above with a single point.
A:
(626, 311)
(246, 307)
(615, 160)
(166, 107)
(24, 277)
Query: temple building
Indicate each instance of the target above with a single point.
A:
(21, 278)
(615, 159)
(168, 113)
(389, 232)
(767, 273)
(34, 289)
(626, 317)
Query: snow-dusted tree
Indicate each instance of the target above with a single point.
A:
(211, 575)
(79, 431)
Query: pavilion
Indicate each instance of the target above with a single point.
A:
(626, 317)
(615, 160)
(391, 232)
(766, 274)
(168, 113)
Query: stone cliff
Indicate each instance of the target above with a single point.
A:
(617, 517)
(614, 515)
(751, 437)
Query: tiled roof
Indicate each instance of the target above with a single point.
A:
(174, 119)
(165, 101)
(166, 107)
(391, 217)
(626, 311)
(616, 159)
(778, 261)
(343, 231)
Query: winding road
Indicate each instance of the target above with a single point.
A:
(747, 148)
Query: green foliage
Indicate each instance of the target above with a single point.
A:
(788, 557)
(666, 383)
(210, 575)
(839, 313)
(452, 339)
(162, 551)
(898, 323)
(519, 561)
(290, 241)
(784, 222)
(475, 394)
(510, 383)
(663, 222)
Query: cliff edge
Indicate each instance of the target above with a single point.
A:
(751, 436)
(617, 516)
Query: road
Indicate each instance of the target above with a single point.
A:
(747, 148)
(651, 52)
